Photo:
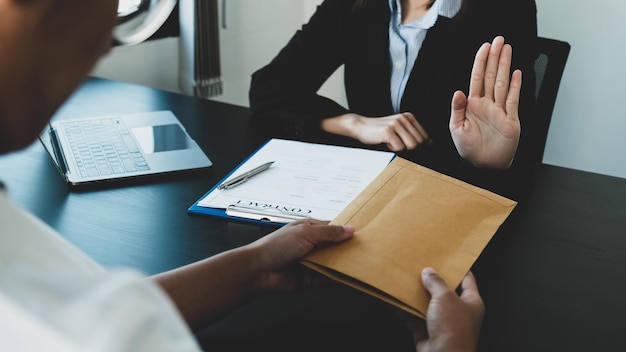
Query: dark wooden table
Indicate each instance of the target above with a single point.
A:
(552, 277)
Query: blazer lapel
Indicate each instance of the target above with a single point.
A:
(433, 63)
(370, 58)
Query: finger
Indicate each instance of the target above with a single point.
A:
(419, 332)
(329, 233)
(457, 115)
(512, 100)
(417, 130)
(433, 283)
(470, 294)
(501, 88)
(394, 141)
(410, 132)
(399, 137)
(313, 222)
(477, 80)
(416, 326)
(395, 133)
(469, 283)
(491, 70)
(316, 231)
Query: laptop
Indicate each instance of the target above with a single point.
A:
(98, 149)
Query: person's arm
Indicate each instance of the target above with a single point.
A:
(207, 290)
(283, 94)
(485, 125)
(398, 132)
(453, 322)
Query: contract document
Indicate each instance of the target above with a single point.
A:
(305, 180)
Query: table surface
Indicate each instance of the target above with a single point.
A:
(551, 278)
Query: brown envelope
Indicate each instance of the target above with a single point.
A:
(408, 218)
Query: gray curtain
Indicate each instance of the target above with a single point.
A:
(200, 68)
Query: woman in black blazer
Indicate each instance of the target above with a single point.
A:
(356, 34)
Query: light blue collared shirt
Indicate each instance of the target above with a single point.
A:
(405, 41)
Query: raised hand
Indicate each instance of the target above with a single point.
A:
(485, 126)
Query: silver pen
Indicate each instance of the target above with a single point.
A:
(245, 176)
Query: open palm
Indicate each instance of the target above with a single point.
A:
(485, 126)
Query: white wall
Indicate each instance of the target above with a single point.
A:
(588, 129)
(153, 64)
(255, 31)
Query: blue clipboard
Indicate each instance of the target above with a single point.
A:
(270, 216)
(243, 215)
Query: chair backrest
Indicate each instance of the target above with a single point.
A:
(549, 67)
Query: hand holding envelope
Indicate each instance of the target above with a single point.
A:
(408, 218)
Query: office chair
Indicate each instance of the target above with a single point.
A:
(549, 67)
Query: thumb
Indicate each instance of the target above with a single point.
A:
(433, 283)
(457, 109)
(328, 233)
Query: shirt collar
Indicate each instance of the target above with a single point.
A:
(449, 8)
(446, 8)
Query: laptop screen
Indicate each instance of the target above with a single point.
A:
(162, 138)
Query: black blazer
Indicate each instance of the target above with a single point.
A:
(285, 103)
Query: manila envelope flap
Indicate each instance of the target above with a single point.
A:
(408, 218)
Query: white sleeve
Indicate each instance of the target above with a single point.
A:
(55, 298)
(122, 312)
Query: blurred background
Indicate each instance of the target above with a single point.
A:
(588, 128)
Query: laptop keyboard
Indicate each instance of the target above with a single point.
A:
(103, 147)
